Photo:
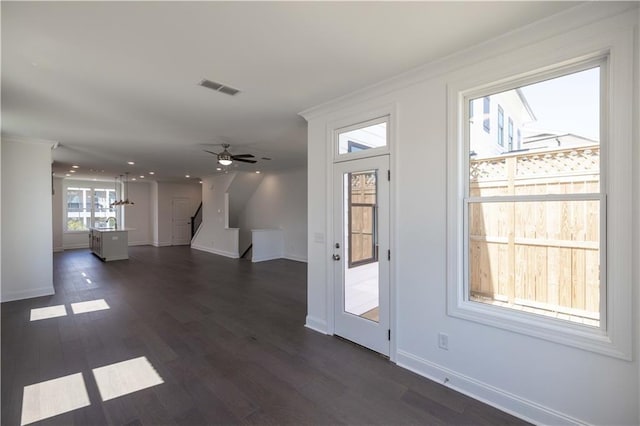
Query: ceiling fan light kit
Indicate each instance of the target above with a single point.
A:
(225, 158)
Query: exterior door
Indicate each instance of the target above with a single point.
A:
(180, 222)
(360, 252)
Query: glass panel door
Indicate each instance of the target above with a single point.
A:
(361, 222)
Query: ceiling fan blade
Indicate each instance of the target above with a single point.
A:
(245, 161)
(211, 152)
(243, 156)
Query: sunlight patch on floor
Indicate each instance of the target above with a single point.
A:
(48, 312)
(89, 306)
(52, 397)
(125, 377)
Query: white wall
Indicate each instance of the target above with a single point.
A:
(240, 190)
(280, 202)
(214, 236)
(540, 380)
(166, 193)
(138, 216)
(27, 257)
(154, 213)
(57, 219)
(268, 244)
(636, 210)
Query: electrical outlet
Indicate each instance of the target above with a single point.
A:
(443, 341)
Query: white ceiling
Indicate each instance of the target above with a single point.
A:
(117, 81)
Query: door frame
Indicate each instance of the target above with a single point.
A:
(389, 110)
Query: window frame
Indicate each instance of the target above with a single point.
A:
(500, 126)
(613, 337)
(92, 210)
(486, 111)
(510, 135)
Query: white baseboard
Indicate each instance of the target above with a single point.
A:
(215, 251)
(75, 246)
(265, 258)
(27, 294)
(58, 249)
(157, 244)
(498, 398)
(316, 324)
(295, 258)
(139, 243)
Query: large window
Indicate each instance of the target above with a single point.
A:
(533, 217)
(87, 206)
(538, 238)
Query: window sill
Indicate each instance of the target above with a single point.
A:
(581, 336)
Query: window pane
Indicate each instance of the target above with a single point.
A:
(78, 209)
(361, 270)
(103, 198)
(539, 257)
(557, 149)
(374, 136)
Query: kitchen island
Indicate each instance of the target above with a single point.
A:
(109, 243)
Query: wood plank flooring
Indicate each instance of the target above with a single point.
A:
(227, 339)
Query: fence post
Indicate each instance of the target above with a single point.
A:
(511, 226)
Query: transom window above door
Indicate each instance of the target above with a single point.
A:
(371, 136)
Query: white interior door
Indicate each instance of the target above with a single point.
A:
(361, 252)
(180, 221)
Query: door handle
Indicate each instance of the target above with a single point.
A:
(336, 257)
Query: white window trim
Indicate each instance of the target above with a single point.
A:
(614, 338)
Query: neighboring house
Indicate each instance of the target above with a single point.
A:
(497, 123)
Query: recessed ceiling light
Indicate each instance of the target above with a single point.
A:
(141, 176)
(187, 176)
(75, 167)
(218, 168)
(258, 171)
(133, 178)
(200, 181)
(68, 174)
(152, 173)
(72, 171)
(131, 163)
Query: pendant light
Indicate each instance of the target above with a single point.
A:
(124, 196)
(126, 202)
(116, 202)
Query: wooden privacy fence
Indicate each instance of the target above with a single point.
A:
(537, 255)
(362, 214)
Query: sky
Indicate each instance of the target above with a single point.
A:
(567, 104)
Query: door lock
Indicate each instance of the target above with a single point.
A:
(336, 257)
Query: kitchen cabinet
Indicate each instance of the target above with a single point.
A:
(109, 244)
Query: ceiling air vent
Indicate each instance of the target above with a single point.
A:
(218, 87)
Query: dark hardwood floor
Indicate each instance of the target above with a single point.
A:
(227, 338)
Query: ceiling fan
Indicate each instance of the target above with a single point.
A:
(225, 158)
